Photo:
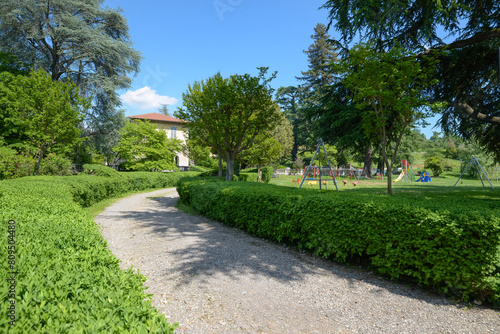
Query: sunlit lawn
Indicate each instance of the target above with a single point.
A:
(439, 187)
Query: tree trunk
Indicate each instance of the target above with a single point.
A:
(389, 171)
(229, 166)
(381, 166)
(220, 164)
(295, 149)
(39, 160)
(367, 168)
(259, 173)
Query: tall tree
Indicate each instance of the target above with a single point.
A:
(10, 63)
(146, 149)
(77, 40)
(41, 113)
(229, 113)
(271, 145)
(264, 150)
(320, 55)
(393, 86)
(290, 100)
(468, 72)
(283, 133)
(164, 110)
(340, 123)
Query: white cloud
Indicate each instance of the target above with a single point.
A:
(146, 98)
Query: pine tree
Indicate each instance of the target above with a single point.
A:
(321, 54)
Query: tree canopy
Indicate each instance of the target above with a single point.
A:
(466, 31)
(228, 113)
(77, 40)
(146, 148)
(389, 89)
(39, 113)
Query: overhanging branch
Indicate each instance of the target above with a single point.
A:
(477, 38)
(466, 109)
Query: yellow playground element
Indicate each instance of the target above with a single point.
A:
(406, 171)
(400, 176)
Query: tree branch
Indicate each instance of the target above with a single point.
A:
(494, 33)
(467, 110)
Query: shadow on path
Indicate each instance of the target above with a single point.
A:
(209, 248)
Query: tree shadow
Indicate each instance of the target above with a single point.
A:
(213, 249)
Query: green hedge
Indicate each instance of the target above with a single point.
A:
(67, 280)
(248, 177)
(267, 174)
(446, 243)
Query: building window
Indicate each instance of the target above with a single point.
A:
(173, 132)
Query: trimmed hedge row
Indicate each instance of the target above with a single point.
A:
(449, 244)
(67, 281)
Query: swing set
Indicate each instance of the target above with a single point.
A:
(317, 171)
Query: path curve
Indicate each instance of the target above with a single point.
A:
(216, 279)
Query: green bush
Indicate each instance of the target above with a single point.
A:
(99, 170)
(249, 170)
(434, 163)
(213, 172)
(267, 174)
(56, 165)
(450, 244)
(248, 177)
(67, 279)
(200, 169)
(14, 165)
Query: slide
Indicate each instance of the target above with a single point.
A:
(400, 176)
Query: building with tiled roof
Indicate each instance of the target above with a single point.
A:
(154, 116)
(175, 129)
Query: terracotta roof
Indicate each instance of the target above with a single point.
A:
(154, 116)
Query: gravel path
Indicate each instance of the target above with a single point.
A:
(215, 279)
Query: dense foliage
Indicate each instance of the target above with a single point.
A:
(468, 72)
(80, 40)
(228, 113)
(146, 149)
(389, 88)
(451, 244)
(40, 114)
(67, 280)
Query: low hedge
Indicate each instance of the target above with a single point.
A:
(66, 280)
(445, 243)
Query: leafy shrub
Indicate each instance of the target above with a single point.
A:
(249, 170)
(99, 170)
(450, 244)
(267, 174)
(67, 279)
(213, 172)
(434, 163)
(55, 165)
(200, 169)
(14, 165)
(248, 177)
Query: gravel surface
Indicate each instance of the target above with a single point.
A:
(211, 278)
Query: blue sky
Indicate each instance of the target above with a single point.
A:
(185, 41)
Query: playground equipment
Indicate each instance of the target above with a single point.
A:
(424, 177)
(478, 166)
(406, 171)
(345, 171)
(317, 170)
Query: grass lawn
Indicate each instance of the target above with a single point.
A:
(439, 187)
